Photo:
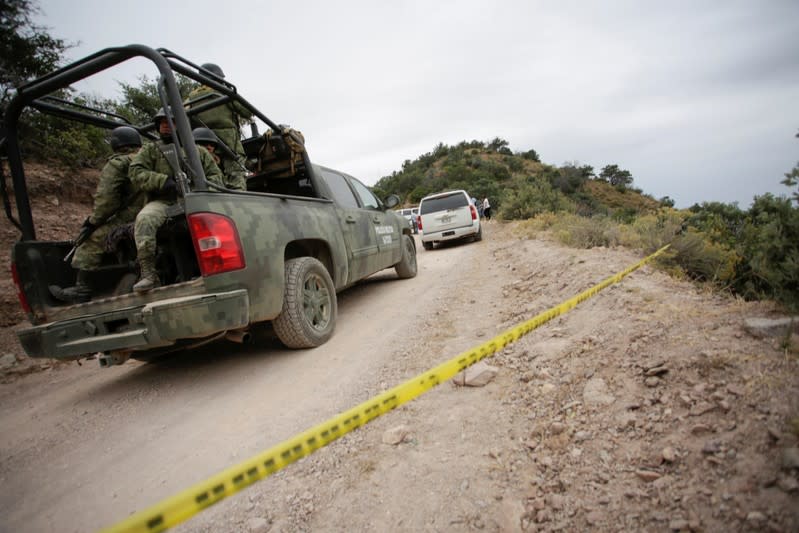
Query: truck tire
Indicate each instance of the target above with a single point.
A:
(309, 310)
(406, 268)
(427, 245)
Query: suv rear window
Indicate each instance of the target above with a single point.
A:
(443, 203)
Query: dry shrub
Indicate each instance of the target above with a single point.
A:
(652, 232)
(582, 232)
(575, 230)
(702, 259)
(531, 227)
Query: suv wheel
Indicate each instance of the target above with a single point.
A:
(427, 245)
(309, 310)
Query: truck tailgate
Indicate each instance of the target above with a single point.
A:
(151, 325)
(445, 220)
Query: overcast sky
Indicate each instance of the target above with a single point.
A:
(698, 99)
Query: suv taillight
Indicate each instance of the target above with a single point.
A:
(473, 209)
(23, 300)
(217, 243)
(419, 221)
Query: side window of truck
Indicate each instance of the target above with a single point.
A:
(367, 198)
(341, 192)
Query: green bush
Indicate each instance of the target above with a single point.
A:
(722, 223)
(532, 197)
(514, 164)
(770, 252)
(45, 137)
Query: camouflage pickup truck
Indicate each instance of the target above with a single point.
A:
(278, 251)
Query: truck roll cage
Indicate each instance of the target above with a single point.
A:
(38, 94)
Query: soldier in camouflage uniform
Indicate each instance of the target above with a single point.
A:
(151, 172)
(224, 120)
(116, 202)
(235, 174)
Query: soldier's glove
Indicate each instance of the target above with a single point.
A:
(85, 231)
(170, 187)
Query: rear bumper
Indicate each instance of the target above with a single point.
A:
(450, 234)
(137, 328)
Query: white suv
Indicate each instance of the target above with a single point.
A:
(411, 215)
(446, 216)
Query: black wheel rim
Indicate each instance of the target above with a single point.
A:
(411, 256)
(316, 302)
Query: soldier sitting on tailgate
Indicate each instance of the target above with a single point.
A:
(150, 171)
(116, 203)
(225, 120)
(232, 166)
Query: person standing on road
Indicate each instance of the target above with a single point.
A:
(486, 208)
(116, 203)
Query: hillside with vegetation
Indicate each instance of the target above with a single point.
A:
(753, 253)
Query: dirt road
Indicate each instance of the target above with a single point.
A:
(571, 434)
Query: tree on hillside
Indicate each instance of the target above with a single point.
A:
(616, 176)
(792, 178)
(48, 137)
(769, 246)
(531, 155)
(140, 102)
(499, 145)
(26, 49)
(570, 176)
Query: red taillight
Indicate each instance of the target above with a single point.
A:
(216, 241)
(419, 221)
(21, 295)
(474, 211)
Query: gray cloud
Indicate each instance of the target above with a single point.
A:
(696, 98)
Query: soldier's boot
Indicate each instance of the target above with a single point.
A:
(79, 293)
(149, 277)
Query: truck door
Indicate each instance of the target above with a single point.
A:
(357, 226)
(389, 238)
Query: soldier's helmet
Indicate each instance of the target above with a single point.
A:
(204, 136)
(160, 115)
(124, 136)
(213, 68)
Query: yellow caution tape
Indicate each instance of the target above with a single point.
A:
(191, 501)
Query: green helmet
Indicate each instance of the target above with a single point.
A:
(213, 68)
(160, 115)
(124, 136)
(204, 136)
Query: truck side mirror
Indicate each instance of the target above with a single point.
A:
(392, 201)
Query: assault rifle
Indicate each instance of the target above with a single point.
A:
(85, 232)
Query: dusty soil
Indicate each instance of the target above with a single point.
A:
(648, 407)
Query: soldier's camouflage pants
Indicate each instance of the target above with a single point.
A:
(89, 255)
(150, 218)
